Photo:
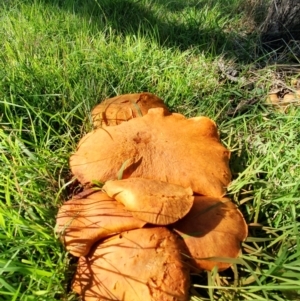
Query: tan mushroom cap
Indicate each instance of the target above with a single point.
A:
(152, 201)
(213, 228)
(82, 222)
(143, 264)
(173, 149)
(122, 108)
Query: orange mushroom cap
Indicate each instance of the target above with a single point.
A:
(143, 264)
(213, 228)
(153, 201)
(122, 108)
(173, 149)
(82, 222)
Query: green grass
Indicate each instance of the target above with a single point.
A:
(59, 58)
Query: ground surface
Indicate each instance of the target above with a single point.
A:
(59, 58)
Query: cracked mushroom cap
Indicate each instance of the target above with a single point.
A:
(152, 201)
(84, 220)
(213, 228)
(143, 264)
(173, 149)
(122, 108)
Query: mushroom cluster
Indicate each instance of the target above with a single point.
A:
(161, 212)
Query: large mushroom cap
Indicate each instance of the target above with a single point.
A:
(153, 201)
(143, 264)
(171, 149)
(81, 222)
(122, 108)
(213, 228)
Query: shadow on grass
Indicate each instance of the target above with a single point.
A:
(178, 24)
